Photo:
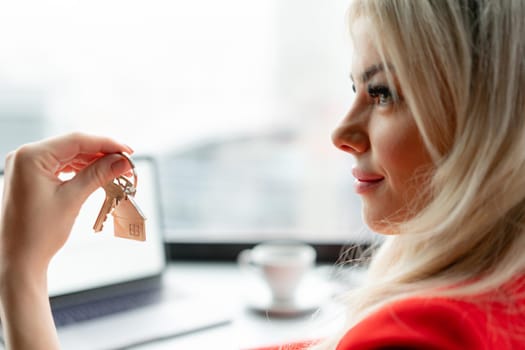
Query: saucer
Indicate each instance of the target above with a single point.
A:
(296, 308)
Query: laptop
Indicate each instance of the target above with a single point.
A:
(107, 292)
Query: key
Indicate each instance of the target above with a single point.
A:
(126, 185)
(114, 194)
(129, 220)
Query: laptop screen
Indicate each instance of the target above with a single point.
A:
(91, 260)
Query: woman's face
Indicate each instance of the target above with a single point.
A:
(380, 132)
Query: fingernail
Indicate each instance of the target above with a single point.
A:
(131, 150)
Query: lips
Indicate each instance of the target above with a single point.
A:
(366, 181)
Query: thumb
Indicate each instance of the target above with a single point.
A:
(97, 175)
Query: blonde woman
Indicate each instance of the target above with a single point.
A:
(437, 130)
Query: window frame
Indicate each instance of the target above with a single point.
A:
(227, 251)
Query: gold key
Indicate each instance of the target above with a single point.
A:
(114, 194)
(129, 221)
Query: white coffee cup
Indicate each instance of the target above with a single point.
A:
(282, 264)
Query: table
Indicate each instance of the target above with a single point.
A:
(236, 290)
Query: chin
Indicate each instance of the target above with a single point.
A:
(385, 221)
(385, 229)
(381, 226)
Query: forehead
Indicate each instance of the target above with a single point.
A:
(365, 56)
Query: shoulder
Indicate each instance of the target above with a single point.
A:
(420, 323)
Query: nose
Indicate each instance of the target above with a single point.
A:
(351, 135)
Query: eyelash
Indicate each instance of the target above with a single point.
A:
(381, 94)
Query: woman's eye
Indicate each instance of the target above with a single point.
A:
(382, 95)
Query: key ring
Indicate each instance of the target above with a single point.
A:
(127, 184)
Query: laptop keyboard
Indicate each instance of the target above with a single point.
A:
(94, 309)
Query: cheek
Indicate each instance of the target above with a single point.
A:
(400, 152)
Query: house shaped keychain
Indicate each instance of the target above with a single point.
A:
(128, 220)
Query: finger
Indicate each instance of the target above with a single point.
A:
(96, 175)
(84, 158)
(78, 163)
(68, 147)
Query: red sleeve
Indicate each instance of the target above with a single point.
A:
(419, 324)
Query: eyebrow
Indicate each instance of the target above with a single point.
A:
(371, 71)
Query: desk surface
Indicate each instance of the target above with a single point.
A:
(249, 329)
(235, 289)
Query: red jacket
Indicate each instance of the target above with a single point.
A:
(494, 321)
(443, 324)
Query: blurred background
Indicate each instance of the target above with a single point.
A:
(235, 98)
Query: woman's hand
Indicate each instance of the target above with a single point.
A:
(38, 208)
(38, 212)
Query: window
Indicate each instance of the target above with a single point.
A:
(236, 99)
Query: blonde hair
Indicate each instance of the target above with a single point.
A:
(461, 67)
